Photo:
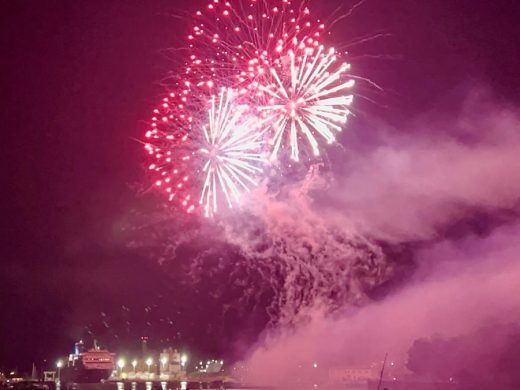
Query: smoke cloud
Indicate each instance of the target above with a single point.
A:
(450, 191)
(475, 283)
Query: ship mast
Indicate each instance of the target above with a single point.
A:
(382, 372)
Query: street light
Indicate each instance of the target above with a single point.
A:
(149, 362)
(184, 359)
(164, 360)
(121, 365)
(134, 364)
(59, 365)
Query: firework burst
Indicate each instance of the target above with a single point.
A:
(232, 151)
(270, 51)
(256, 80)
(306, 98)
(212, 158)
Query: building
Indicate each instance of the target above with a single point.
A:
(352, 374)
(172, 362)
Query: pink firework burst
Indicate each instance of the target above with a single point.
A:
(169, 142)
(235, 42)
(208, 161)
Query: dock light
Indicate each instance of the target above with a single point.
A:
(134, 364)
(59, 365)
(164, 360)
(149, 362)
(184, 359)
(121, 365)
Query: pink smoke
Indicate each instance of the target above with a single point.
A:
(406, 188)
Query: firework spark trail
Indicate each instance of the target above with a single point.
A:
(288, 249)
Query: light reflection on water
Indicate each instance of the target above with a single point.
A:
(148, 385)
(175, 386)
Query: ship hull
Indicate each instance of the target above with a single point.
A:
(82, 375)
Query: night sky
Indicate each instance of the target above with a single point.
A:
(79, 80)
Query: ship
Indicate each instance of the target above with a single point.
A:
(88, 366)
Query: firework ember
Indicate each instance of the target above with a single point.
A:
(283, 92)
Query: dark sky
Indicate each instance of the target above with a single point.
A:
(79, 79)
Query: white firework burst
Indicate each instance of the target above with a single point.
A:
(233, 152)
(309, 96)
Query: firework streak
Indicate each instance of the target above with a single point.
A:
(257, 85)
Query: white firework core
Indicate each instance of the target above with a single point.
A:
(232, 152)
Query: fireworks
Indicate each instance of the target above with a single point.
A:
(308, 100)
(256, 81)
(208, 158)
(232, 152)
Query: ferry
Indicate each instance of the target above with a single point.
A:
(88, 366)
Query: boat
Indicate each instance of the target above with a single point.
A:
(88, 366)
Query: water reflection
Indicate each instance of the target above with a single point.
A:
(127, 385)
